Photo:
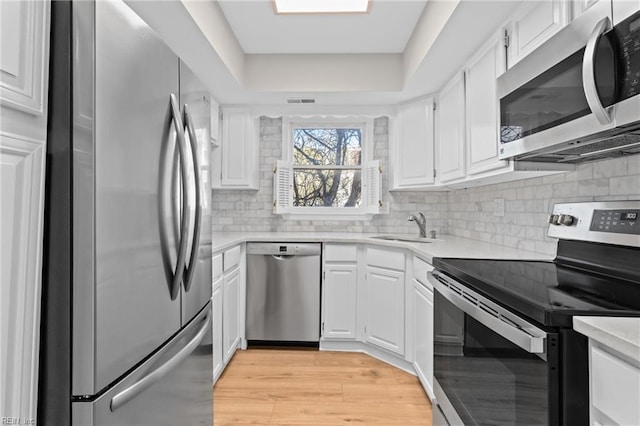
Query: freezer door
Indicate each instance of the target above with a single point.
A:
(135, 203)
(194, 101)
(174, 387)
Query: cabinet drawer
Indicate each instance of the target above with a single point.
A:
(217, 265)
(385, 258)
(615, 387)
(420, 270)
(340, 252)
(231, 258)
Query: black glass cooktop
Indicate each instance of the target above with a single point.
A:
(549, 293)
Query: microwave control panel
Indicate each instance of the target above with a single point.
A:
(628, 35)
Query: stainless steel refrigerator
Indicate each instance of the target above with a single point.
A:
(126, 336)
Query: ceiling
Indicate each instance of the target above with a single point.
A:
(401, 50)
(385, 29)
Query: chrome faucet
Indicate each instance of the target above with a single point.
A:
(421, 221)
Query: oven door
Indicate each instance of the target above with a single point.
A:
(490, 366)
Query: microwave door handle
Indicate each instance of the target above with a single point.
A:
(589, 73)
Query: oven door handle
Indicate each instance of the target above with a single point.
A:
(496, 318)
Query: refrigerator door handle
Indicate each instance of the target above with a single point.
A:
(184, 223)
(195, 244)
(138, 387)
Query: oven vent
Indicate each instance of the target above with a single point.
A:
(472, 299)
(301, 101)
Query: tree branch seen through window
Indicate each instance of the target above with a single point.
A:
(327, 167)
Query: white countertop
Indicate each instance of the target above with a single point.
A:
(619, 333)
(443, 246)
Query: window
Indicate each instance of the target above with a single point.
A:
(325, 171)
(327, 167)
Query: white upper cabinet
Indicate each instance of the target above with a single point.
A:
(578, 7)
(215, 121)
(236, 160)
(450, 131)
(482, 109)
(534, 24)
(412, 148)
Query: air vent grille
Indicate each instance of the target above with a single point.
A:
(301, 101)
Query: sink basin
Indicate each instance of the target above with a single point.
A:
(403, 238)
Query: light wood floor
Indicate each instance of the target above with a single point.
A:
(298, 387)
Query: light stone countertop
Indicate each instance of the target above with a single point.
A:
(443, 246)
(619, 333)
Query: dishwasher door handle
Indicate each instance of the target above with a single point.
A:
(282, 257)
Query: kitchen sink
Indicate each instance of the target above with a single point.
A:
(406, 238)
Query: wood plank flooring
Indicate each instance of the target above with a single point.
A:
(301, 387)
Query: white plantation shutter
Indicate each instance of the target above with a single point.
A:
(372, 187)
(282, 183)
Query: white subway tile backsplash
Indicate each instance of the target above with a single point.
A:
(463, 212)
(625, 185)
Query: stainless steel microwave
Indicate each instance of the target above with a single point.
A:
(577, 97)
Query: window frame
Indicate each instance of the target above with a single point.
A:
(366, 209)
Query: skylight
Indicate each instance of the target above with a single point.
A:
(321, 6)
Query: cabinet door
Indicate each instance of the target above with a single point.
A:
(24, 65)
(385, 309)
(423, 333)
(216, 327)
(231, 313)
(450, 112)
(238, 151)
(482, 110)
(215, 120)
(339, 302)
(578, 7)
(534, 24)
(413, 151)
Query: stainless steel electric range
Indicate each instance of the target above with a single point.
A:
(505, 352)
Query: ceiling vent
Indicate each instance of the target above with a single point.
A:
(301, 101)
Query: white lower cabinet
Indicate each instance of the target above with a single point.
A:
(384, 323)
(231, 313)
(614, 387)
(227, 300)
(422, 323)
(339, 295)
(216, 327)
(423, 333)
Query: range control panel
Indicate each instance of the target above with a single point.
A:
(610, 222)
(618, 221)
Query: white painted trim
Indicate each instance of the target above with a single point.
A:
(20, 331)
(323, 111)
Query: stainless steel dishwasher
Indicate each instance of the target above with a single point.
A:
(283, 292)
